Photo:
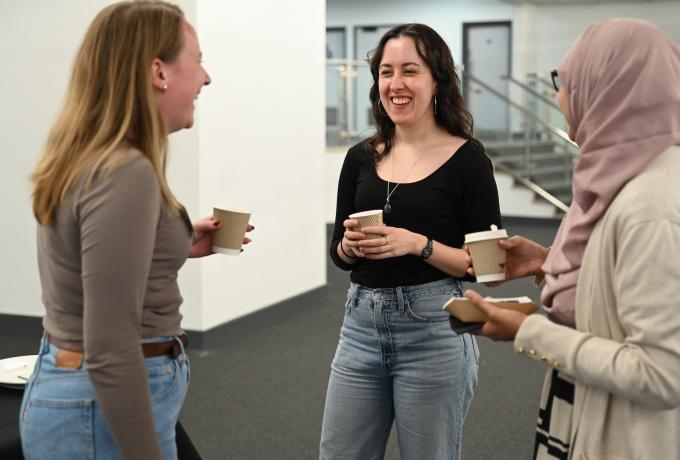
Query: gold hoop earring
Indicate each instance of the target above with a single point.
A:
(435, 104)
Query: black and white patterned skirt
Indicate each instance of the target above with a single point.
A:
(553, 432)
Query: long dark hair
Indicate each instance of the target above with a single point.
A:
(450, 114)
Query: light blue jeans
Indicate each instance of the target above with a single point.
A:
(399, 361)
(60, 418)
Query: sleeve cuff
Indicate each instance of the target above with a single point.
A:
(337, 259)
(539, 338)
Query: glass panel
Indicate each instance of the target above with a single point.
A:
(364, 122)
(335, 43)
(336, 104)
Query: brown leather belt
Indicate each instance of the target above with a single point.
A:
(70, 355)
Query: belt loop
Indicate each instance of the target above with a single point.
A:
(400, 299)
(179, 351)
(44, 344)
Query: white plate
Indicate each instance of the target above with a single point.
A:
(14, 372)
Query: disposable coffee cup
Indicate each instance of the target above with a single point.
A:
(371, 218)
(488, 259)
(228, 239)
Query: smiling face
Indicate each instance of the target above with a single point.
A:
(184, 78)
(405, 83)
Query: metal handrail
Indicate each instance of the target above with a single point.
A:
(532, 120)
(533, 187)
(557, 131)
(531, 91)
(541, 80)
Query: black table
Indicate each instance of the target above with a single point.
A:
(10, 443)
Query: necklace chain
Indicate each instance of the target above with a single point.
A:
(388, 207)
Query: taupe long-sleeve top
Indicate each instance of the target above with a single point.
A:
(108, 270)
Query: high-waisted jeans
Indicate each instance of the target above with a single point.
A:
(399, 361)
(62, 420)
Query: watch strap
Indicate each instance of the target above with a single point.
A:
(427, 250)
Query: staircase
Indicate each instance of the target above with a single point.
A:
(537, 154)
(547, 165)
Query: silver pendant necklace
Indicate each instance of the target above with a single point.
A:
(388, 208)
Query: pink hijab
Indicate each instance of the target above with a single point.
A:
(622, 79)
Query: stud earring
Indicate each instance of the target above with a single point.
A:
(164, 88)
(435, 105)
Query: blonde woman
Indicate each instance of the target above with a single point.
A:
(112, 373)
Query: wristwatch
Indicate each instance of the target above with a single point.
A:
(427, 250)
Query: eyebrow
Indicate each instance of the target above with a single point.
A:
(403, 65)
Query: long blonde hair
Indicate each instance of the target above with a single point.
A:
(110, 100)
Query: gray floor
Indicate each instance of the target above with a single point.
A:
(258, 384)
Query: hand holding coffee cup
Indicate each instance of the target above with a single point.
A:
(229, 238)
(201, 243)
(371, 218)
(488, 258)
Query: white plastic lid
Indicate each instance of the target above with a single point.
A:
(365, 213)
(493, 234)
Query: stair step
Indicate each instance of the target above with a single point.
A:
(564, 198)
(554, 186)
(547, 170)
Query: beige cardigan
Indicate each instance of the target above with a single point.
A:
(625, 352)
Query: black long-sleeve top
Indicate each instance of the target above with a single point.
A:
(459, 197)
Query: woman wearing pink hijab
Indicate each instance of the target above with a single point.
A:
(611, 340)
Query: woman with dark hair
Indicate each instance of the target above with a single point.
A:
(398, 359)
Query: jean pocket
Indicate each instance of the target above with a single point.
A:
(58, 429)
(427, 308)
(162, 378)
(351, 302)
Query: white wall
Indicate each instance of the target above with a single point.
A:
(37, 45)
(556, 27)
(262, 140)
(258, 143)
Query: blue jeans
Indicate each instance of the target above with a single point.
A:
(61, 419)
(399, 361)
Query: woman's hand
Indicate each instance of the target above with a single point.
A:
(523, 257)
(350, 240)
(201, 244)
(393, 242)
(501, 324)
